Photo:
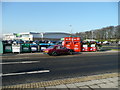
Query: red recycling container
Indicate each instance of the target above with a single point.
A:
(68, 39)
(72, 43)
(93, 47)
(85, 48)
(68, 44)
(76, 39)
(77, 46)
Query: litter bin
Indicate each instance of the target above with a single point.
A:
(25, 47)
(33, 47)
(7, 48)
(1, 47)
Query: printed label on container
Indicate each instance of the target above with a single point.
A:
(8, 47)
(85, 45)
(92, 45)
(43, 48)
(34, 49)
(25, 48)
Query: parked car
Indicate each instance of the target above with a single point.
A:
(57, 50)
(106, 43)
(118, 42)
(59, 43)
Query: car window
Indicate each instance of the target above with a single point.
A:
(58, 47)
(51, 47)
(63, 48)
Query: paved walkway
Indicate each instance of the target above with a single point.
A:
(82, 83)
(102, 83)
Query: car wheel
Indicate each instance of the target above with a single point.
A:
(54, 53)
(49, 54)
(70, 52)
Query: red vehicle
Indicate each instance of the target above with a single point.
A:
(85, 46)
(93, 46)
(72, 43)
(57, 50)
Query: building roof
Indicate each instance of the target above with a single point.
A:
(29, 33)
(54, 33)
(38, 33)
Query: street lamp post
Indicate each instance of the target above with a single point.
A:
(70, 29)
(42, 36)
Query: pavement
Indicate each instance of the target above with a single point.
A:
(108, 80)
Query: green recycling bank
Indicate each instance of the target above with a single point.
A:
(1, 47)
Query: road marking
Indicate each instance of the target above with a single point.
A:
(33, 72)
(24, 62)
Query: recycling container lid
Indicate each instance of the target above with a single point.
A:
(43, 44)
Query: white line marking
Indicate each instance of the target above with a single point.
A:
(24, 62)
(10, 74)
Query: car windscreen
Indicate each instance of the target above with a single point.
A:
(51, 47)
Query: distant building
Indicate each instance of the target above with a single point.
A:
(54, 35)
(35, 36)
(10, 36)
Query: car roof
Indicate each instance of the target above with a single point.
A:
(57, 45)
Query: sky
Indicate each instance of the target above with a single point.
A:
(66, 17)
